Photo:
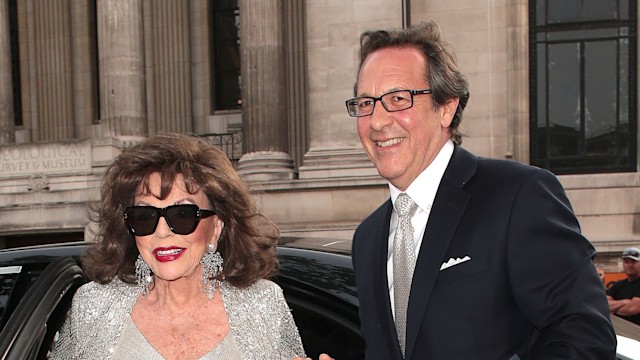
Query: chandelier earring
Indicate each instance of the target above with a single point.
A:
(211, 268)
(143, 276)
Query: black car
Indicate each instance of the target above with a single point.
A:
(37, 285)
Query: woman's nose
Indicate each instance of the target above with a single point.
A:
(162, 229)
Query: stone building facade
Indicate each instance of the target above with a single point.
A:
(82, 79)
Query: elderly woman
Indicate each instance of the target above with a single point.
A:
(180, 264)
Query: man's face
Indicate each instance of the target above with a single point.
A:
(631, 268)
(401, 144)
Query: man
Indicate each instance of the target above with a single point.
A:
(501, 269)
(624, 295)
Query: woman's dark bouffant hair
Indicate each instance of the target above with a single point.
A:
(442, 73)
(248, 240)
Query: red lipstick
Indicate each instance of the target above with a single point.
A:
(167, 253)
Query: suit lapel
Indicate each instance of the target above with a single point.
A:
(380, 279)
(448, 207)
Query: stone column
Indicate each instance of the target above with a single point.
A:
(6, 84)
(200, 45)
(168, 62)
(264, 102)
(84, 65)
(518, 81)
(121, 62)
(332, 47)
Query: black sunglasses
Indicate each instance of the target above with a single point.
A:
(182, 219)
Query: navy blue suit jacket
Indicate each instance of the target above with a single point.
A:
(529, 291)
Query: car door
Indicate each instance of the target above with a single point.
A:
(29, 331)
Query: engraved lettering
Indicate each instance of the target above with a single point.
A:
(25, 159)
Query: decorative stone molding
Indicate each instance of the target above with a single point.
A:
(266, 166)
(38, 182)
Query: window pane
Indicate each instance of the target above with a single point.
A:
(623, 99)
(582, 34)
(601, 107)
(564, 11)
(226, 51)
(541, 7)
(623, 81)
(624, 9)
(564, 99)
(600, 10)
(225, 4)
(542, 101)
(7, 283)
(14, 40)
(227, 91)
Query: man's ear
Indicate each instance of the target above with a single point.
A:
(448, 111)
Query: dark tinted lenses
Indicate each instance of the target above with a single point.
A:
(141, 220)
(182, 219)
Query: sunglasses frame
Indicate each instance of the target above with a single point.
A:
(162, 212)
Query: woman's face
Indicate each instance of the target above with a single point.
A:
(601, 274)
(172, 256)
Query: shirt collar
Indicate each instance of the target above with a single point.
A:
(423, 189)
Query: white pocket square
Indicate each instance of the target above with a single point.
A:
(453, 262)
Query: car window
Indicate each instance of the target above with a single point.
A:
(323, 331)
(14, 282)
(8, 277)
(30, 328)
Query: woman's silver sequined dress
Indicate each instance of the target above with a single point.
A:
(262, 326)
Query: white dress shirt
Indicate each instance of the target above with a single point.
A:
(422, 190)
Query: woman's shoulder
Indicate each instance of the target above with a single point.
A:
(116, 285)
(260, 286)
(259, 292)
(93, 294)
(265, 285)
(261, 321)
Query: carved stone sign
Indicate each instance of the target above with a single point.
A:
(50, 158)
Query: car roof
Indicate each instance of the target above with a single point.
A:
(38, 253)
(626, 328)
(322, 263)
(331, 245)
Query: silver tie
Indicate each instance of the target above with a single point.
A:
(404, 261)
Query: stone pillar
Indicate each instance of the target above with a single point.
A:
(518, 81)
(332, 47)
(6, 84)
(168, 62)
(296, 73)
(83, 63)
(264, 102)
(200, 64)
(121, 62)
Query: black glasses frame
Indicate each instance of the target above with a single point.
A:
(199, 213)
(352, 104)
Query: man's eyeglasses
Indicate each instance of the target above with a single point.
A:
(396, 100)
(182, 219)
